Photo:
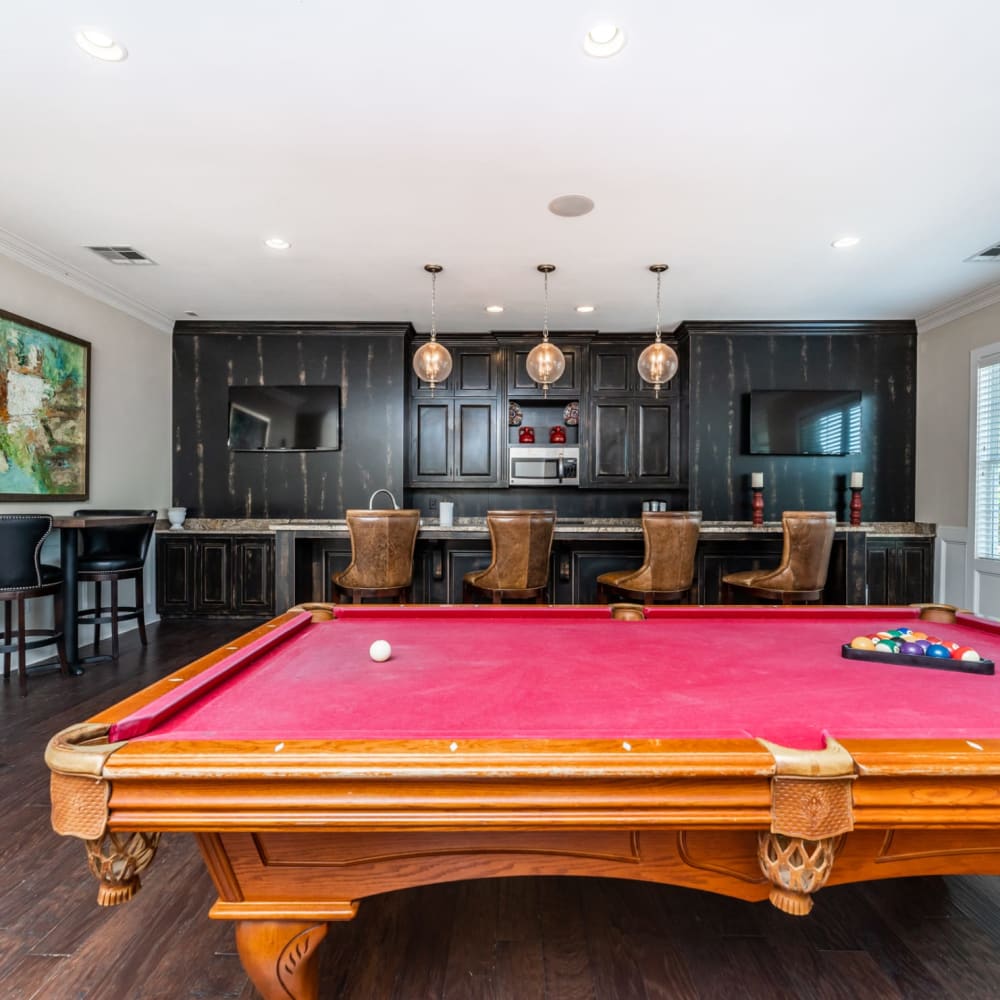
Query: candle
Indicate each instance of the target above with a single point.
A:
(757, 480)
(857, 480)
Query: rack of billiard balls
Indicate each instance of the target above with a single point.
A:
(907, 647)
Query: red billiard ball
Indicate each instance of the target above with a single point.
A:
(965, 653)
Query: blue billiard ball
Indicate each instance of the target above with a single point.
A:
(942, 652)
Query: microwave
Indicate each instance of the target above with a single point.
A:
(545, 465)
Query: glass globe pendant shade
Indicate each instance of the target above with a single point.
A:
(658, 364)
(432, 363)
(545, 364)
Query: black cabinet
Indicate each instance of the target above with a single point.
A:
(635, 434)
(454, 441)
(899, 570)
(520, 385)
(225, 576)
(455, 429)
(614, 369)
(633, 442)
(475, 371)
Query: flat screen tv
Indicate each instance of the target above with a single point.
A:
(284, 417)
(805, 422)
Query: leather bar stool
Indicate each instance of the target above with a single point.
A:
(112, 554)
(805, 559)
(24, 576)
(382, 543)
(522, 543)
(667, 571)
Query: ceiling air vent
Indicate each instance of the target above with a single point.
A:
(122, 255)
(991, 253)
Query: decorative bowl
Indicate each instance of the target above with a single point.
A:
(176, 515)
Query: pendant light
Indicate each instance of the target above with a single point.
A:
(658, 362)
(432, 362)
(546, 362)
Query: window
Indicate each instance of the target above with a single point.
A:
(987, 457)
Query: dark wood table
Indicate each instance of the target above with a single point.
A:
(68, 527)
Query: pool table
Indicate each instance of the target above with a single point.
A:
(731, 749)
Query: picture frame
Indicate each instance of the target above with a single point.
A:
(44, 412)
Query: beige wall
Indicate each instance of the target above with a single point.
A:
(943, 414)
(129, 393)
(130, 372)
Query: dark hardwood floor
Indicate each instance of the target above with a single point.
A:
(508, 939)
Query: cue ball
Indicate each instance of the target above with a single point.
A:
(380, 650)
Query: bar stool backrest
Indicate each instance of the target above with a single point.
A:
(522, 543)
(671, 539)
(382, 544)
(21, 538)
(805, 555)
(127, 540)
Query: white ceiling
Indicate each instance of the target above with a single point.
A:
(731, 140)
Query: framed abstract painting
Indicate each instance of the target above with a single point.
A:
(44, 412)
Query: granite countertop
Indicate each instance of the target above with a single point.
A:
(431, 527)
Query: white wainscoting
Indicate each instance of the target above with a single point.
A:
(950, 567)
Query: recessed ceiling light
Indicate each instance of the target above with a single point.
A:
(277, 243)
(843, 242)
(604, 40)
(585, 309)
(494, 309)
(569, 206)
(99, 45)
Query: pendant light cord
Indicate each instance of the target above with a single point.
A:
(434, 305)
(545, 319)
(659, 276)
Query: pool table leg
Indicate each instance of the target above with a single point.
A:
(280, 957)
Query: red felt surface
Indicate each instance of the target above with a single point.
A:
(701, 673)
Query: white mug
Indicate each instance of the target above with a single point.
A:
(447, 513)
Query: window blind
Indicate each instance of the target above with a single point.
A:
(987, 471)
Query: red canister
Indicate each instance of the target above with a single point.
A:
(557, 434)
(526, 435)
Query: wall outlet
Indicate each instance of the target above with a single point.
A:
(432, 504)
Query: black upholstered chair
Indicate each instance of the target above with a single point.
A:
(111, 554)
(23, 576)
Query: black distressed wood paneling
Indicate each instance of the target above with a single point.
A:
(728, 360)
(367, 362)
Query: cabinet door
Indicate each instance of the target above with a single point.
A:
(253, 565)
(915, 571)
(899, 570)
(612, 369)
(476, 441)
(879, 569)
(431, 442)
(521, 386)
(610, 451)
(213, 592)
(174, 575)
(657, 443)
(475, 371)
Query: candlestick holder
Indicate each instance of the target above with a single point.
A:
(856, 506)
(757, 505)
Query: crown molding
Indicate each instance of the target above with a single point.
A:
(951, 311)
(41, 260)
